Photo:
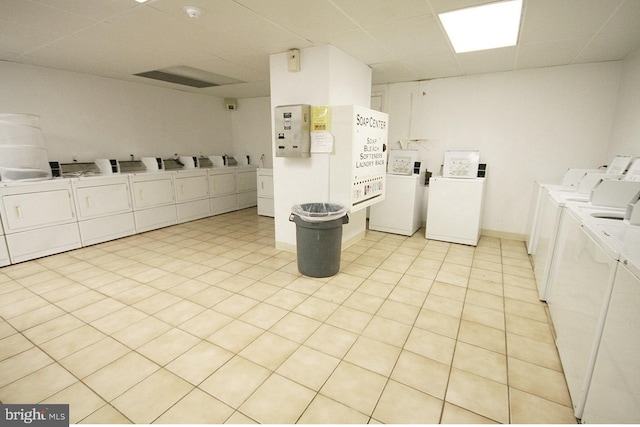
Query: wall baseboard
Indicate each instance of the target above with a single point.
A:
(493, 233)
(503, 235)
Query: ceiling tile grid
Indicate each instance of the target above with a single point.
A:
(401, 40)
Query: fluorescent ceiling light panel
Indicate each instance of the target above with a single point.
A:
(483, 27)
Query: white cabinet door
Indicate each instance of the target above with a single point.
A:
(32, 244)
(615, 385)
(247, 199)
(580, 287)
(191, 188)
(265, 185)
(157, 192)
(4, 253)
(37, 209)
(105, 228)
(246, 181)
(223, 204)
(151, 219)
(102, 200)
(401, 210)
(454, 213)
(220, 184)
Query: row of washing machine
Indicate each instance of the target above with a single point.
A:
(587, 266)
(40, 218)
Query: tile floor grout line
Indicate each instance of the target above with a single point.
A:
(388, 379)
(165, 236)
(453, 355)
(506, 341)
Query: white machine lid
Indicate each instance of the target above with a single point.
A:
(461, 164)
(633, 174)
(619, 164)
(401, 162)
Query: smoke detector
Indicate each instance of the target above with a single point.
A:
(192, 11)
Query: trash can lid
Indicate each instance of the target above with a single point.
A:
(318, 212)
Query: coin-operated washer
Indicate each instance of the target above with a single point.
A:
(456, 199)
(401, 210)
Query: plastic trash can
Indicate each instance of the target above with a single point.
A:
(319, 237)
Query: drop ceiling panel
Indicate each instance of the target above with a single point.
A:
(52, 57)
(230, 69)
(549, 54)
(487, 61)
(303, 17)
(608, 47)
(150, 23)
(16, 38)
(38, 16)
(390, 72)
(218, 16)
(94, 9)
(111, 49)
(548, 20)
(431, 67)
(361, 45)
(400, 40)
(368, 13)
(625, 19)
(424, 33)
(262, 36)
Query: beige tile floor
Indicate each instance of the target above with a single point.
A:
(206, 322)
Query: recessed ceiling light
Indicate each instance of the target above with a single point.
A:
(142, 1)
(483, 27)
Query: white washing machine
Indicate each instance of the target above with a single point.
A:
(103, 206)
(552, 209)
(580, 286)
(576, 183)
(454, 212)
(456, 199)
(39, 218)
(549, 216)
(401, 210)
(614, 390)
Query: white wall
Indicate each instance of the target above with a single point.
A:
(528, 125)
(625, 137)
(251, 128)
(93, 117)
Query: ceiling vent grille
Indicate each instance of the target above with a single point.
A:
(188, 76)
(174, 78)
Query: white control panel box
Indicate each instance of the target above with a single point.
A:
(292, 125)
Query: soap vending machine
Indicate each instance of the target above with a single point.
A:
(359, 162)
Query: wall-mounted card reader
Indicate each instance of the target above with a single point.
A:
(292, 124)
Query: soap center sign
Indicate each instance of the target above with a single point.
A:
(369, 155)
